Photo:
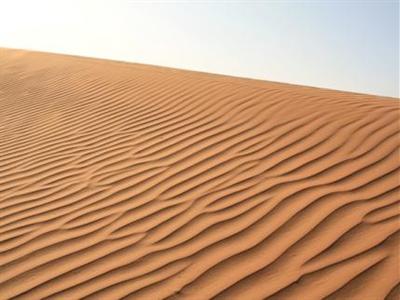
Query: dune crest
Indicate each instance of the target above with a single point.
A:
(129, 181)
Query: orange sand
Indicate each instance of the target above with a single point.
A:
(129, 181)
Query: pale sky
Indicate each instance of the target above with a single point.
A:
(344, 45)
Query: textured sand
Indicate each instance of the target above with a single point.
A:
(129, 181)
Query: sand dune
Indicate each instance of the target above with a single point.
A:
(130, 181)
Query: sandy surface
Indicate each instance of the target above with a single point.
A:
(123, 180)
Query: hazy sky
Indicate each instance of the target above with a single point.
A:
(346, 45)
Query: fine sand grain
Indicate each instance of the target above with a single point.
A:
(130, 181)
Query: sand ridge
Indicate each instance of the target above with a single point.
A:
(127, 181)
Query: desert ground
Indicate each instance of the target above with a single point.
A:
(130, 181)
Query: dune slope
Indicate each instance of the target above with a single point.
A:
(129, 181)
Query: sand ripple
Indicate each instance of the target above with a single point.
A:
(137, 182)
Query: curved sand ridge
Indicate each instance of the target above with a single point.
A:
(129, 181)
